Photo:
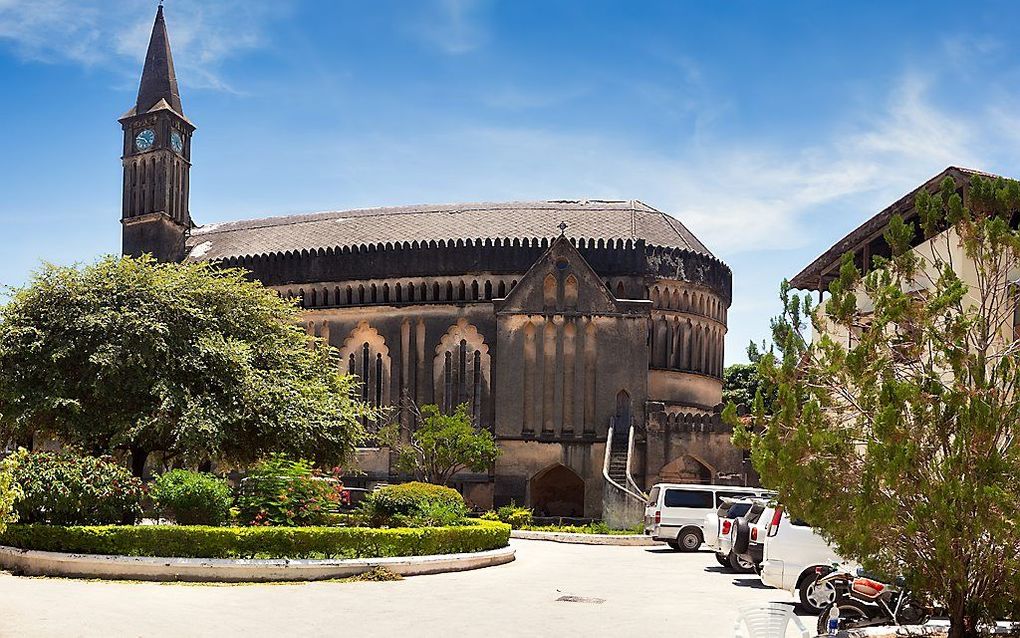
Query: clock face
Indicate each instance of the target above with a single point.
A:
(176, 142)
(145, 139)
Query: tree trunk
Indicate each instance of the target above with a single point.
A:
(138, 459)
(958, 625)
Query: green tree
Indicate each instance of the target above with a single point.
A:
(740, 384)
(184, 359)
(440, 445)
(896, 432)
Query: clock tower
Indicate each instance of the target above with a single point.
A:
(156, 158)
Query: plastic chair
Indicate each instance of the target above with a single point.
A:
(768, 621)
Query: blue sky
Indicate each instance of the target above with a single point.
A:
(770, 129)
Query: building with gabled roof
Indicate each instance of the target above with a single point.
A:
(587, 335)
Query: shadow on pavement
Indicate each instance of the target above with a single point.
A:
(750, 582)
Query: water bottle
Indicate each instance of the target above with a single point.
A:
(833, 620)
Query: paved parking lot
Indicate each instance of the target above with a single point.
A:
(645, 592)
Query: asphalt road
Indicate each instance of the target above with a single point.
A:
(552, 589)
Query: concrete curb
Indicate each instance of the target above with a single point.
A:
(632, 540)
(39, 563)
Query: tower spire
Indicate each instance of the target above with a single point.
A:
(159, 82)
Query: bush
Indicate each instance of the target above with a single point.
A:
(513, 515)
(192, 498)
(10, 491)
(279, 491)
(436, 514)
(62, 488)
(408, 503)
(259, 542)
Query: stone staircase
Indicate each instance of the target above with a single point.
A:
(618, 456)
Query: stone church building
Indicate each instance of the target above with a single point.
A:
(587, 335)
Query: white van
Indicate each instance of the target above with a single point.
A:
(676, 511)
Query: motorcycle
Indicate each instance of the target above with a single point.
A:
(866, 602)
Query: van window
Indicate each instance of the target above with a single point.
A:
(737, 510)
(653, 497)
(688, 498)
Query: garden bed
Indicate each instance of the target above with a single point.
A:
(187, 541)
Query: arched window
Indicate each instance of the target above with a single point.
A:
(474, 291)
(549, 292)
(570, 292)
(488, 289)
(501, 289)
(368, 357)
(461, 370)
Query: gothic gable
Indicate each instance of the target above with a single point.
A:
(560, 282)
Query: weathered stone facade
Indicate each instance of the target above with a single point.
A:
(554, 321)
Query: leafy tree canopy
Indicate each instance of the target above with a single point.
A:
(740, 384)
(184, 359)
(440, 445)
(895, 433)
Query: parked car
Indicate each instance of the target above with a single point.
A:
(734, 534)
(792, 552)
(675, 512)
(749, 539)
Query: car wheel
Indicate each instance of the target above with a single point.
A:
(722, 559)
(688, 541)
(739, 565)
(673, 545)
(815, 597)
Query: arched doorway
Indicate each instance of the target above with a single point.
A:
(685, 469)
(557, 491)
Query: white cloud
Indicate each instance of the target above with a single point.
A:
(115, 33)
(454, 27)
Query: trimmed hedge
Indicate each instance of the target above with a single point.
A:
(408, 499)
(258, 542)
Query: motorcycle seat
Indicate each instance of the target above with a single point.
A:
(867, 587)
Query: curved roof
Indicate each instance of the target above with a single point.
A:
(584, 219)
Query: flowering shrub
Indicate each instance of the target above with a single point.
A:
(63, 488)
(10, 491)
(280, 491)
(192, 498)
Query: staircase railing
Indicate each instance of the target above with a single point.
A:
(605, 469)
(630, 454)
